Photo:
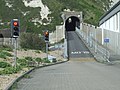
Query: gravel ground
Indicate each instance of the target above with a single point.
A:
(6, 79)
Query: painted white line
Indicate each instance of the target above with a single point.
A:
(80, 52)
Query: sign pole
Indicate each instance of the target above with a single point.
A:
(46, 35)
(106, 50)
(15, 53)
(46, 50)
(106, 40)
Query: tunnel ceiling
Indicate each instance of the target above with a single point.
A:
(71, 23)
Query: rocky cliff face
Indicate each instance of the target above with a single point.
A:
(38, 15)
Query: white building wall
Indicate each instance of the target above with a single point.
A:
(112, 24)
(111, 29)
(118, 29)
(107, 24)
(114, 2)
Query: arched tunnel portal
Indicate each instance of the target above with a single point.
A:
(71, 23)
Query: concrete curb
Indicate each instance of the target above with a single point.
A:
(20, 77)
(17, 79)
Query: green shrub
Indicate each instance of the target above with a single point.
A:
(11, 70)
(29, 58)
(25, 49)
(4, 65)
(37, 51)
(1, 72)
(38, 59)
(4, 54)
(18, 68)
(31, 41)
(22, 62)
(7, 48)
(7, 54)
(8, 70)
(45, 60)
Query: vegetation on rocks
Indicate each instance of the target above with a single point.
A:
(5, 54)
(92, 11)
(4, 64)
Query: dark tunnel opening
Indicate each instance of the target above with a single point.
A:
(71, 23)
(1, 36)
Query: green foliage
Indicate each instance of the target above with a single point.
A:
(10, 70)
(26, 62)
(4, 65)
(6, 48)
(38, 51)
(38, 59)
(31, 41)
(4, 54)
(25, 49)
(22, 62)
(29, 58)
(90, 8)
(45, 60)
(7, 54)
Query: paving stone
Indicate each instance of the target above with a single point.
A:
(73, 75)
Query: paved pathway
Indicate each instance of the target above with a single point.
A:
(74, 75)
(76, 47)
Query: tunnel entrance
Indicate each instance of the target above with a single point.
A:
(71, 23)
(1, 35)
(1, 39)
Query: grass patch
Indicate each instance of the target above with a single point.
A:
(37, 51)
(10, 70)
(22, 62)
(45, 60)
(29, 58)
(6, 48)
(4, 65)
(5, 54)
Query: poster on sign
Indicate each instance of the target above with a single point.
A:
(106, 40)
